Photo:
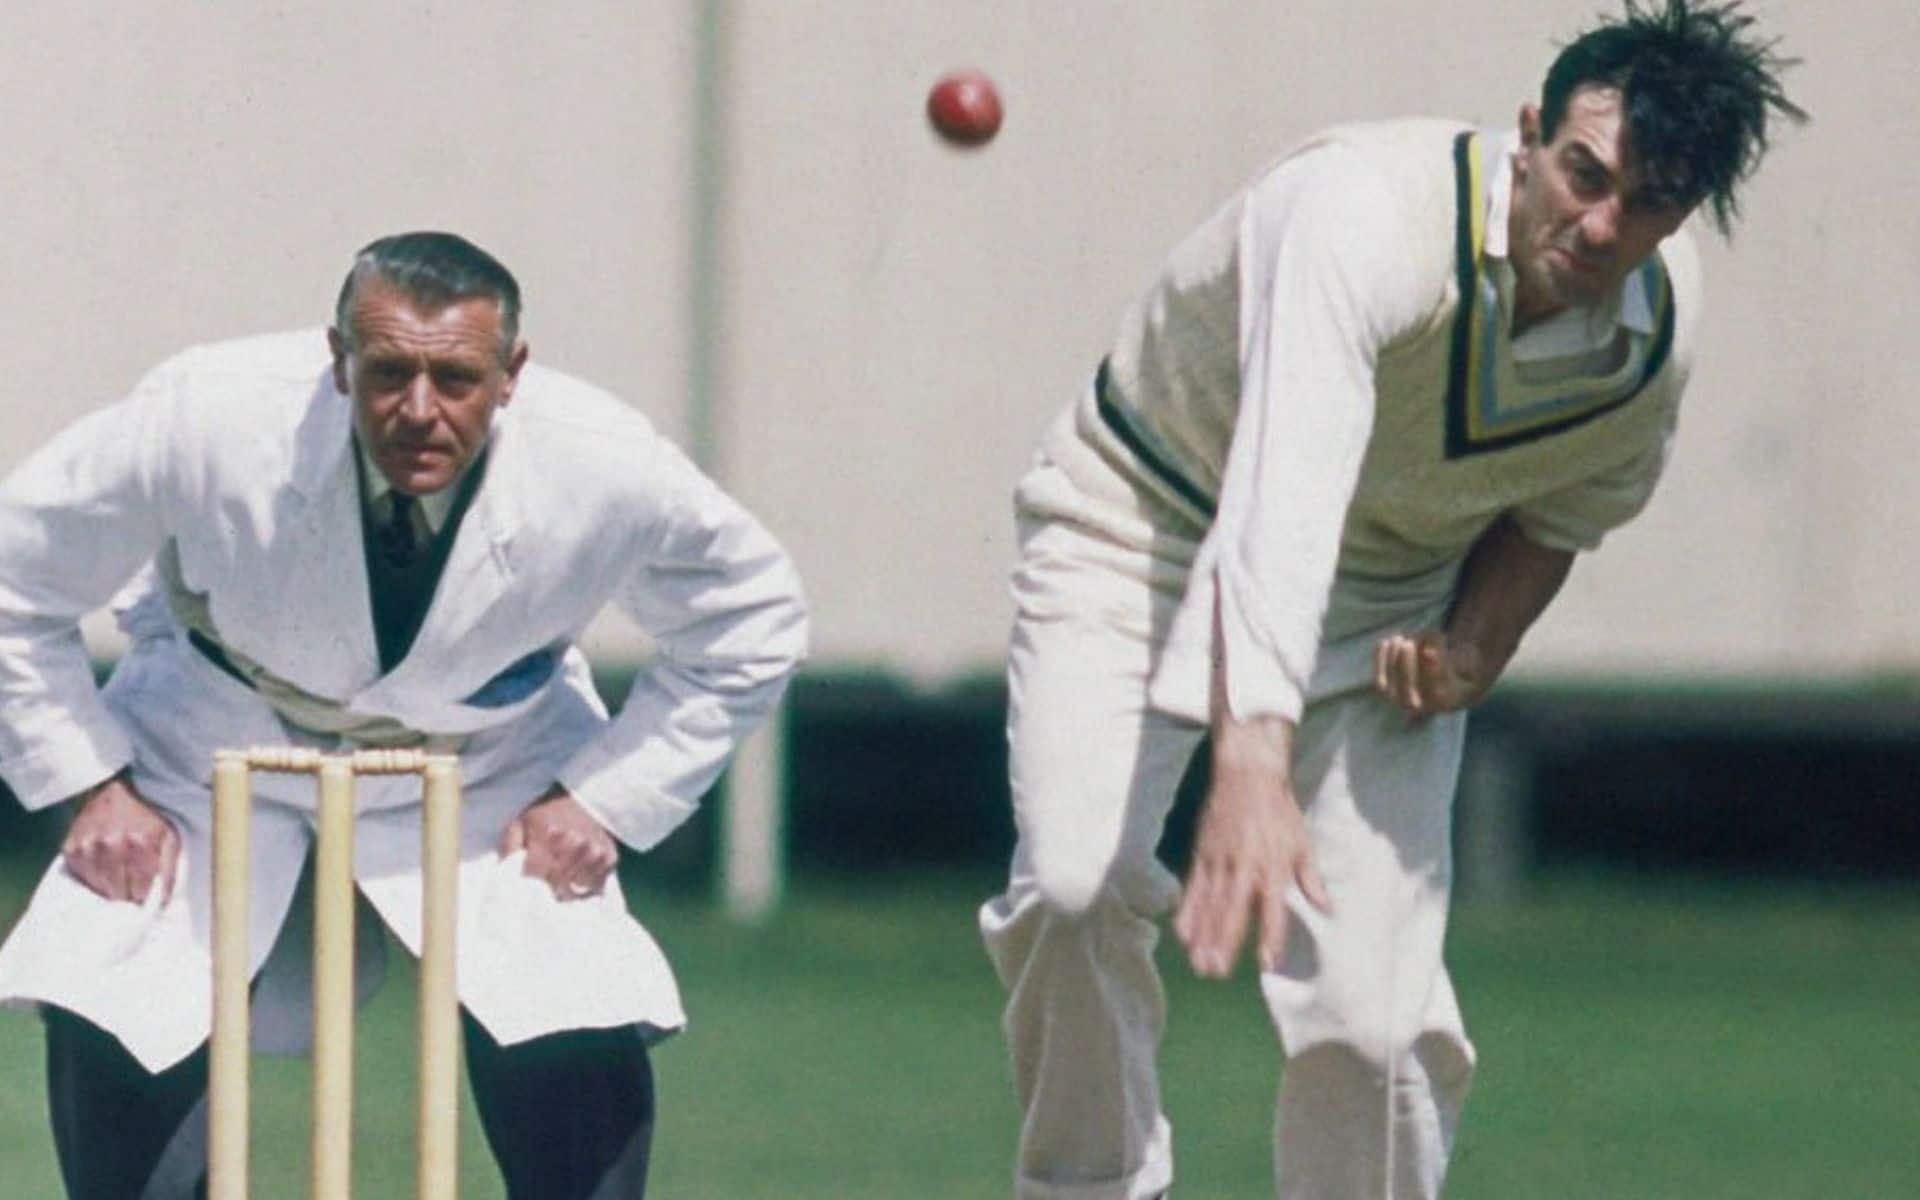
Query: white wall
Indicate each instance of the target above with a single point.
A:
(907, 318)
(1784, 537)
(900, 320)
(188, 171)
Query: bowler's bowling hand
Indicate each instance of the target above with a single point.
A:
(1428, 672)
(119, 845)
(1251, 850)
(565, 846)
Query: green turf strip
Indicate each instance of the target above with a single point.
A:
(1637, 1040)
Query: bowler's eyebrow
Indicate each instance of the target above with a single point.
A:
(1585, 157)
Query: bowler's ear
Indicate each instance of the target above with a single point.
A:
(338, 345)
(515, 360)
(1530, 125)
(1529, 143)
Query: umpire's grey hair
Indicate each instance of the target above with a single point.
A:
(434, 269)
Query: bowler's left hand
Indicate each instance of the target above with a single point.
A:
(1428, 672)
(565, 846)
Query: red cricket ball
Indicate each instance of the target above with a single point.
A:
(964, 108)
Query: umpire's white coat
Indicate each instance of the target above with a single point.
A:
(240, 456)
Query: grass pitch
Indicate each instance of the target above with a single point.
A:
(1637, 1040)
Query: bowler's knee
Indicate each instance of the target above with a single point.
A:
(1069, 887)
(1379, 1054)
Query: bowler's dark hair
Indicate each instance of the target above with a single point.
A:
(1697, 88)
(434, 269)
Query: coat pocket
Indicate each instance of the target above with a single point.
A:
(520, 679)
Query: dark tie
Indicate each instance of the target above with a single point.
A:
(396, 536)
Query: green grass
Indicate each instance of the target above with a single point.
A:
(1636, 1041)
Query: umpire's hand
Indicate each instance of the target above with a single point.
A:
(119, 845)
(565, 846)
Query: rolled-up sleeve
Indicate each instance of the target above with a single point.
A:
(723, 604)
(1325, 281)
(77, 520)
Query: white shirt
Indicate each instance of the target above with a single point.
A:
(433, 507)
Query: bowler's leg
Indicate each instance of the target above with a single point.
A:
(1377, 1059)
(569, 1116)
(114, 1122)
(1093, 776)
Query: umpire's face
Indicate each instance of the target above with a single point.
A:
(424, 381)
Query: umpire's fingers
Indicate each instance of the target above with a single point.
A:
(514, 837)
(81, 866)
(588, 866)
(98, 861)
(589, 877)
(601, 857)
(168, 860)
(147, 860)
(73, 856)
(114, 859)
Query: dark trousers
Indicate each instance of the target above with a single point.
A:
(568, 1116)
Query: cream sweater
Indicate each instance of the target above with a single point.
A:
(1317, 408)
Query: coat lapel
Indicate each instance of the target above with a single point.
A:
(319, 572)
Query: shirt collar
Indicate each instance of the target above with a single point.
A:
(374, 488)
(1576, 330)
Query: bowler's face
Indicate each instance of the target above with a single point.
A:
(424, 382)
(1582, 216)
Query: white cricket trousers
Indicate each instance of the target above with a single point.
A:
(1377, 1060)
